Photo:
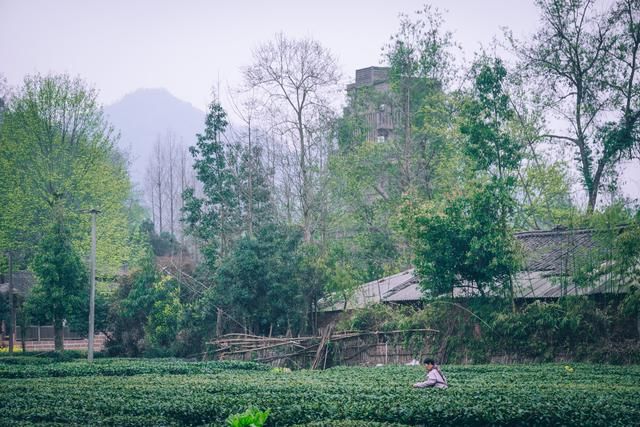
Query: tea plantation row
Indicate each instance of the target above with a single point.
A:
(136, 393)
(35, 367)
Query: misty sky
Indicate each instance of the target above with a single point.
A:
(184, 46)
(189, 46)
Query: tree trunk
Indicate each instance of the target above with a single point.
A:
(250, 182)
(305, 199)
(406, 146)
(172, 195)
(591, 204)
(219, 323)
(159, 185)
(23, 338)
(153, 206)
(58, 334)
(595, 184)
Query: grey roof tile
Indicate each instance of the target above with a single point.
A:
(550, 256)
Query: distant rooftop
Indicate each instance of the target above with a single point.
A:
(370, 76)
(549, 257)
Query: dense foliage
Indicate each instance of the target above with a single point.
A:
(58, 160)
(461, 244)
(61, 291)
(480, 330)
(146, 313)
(57, 156)
(259, 282)
(128, 393)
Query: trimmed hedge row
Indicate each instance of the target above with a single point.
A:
(29, 367)
(127, 394)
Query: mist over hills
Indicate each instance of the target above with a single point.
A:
(145, 114)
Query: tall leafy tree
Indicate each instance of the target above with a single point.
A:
(485, 119)
(586, 64)
(485, 124)
(57, 154)
(370, 176)
(213, 218)
(57, 159)
(421, 68)
(465, 239)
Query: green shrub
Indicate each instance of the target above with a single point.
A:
(252, 417)
(475, 330)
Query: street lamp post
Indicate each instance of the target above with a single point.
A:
(92, 295)
(12, 306)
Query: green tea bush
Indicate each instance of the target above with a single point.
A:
(119, 367)
(166, 392)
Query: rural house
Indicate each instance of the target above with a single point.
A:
(551, 258)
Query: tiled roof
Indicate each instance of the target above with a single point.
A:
(556, 250)
(549, 257)
(373, 292)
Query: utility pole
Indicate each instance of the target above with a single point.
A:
(12, 306)
(92, 297)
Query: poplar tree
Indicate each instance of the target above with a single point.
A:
(296, 78)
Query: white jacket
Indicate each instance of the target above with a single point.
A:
(434, 379)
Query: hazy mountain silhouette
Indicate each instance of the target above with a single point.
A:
(146, 113)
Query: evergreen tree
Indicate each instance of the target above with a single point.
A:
(259, 284)
(213, 218)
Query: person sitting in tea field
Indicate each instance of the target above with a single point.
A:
(435, 378)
